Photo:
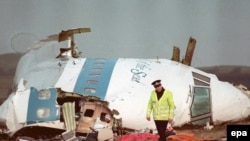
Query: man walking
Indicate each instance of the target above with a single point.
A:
(161, 103)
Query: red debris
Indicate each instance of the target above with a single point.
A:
(138, 137)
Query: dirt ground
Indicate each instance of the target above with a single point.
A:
(218, 132)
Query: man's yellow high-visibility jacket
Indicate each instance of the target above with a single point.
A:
(163, 109)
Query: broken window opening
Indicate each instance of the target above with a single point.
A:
(89, 113)
(105, 117)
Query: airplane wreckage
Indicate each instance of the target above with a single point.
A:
(60, 95)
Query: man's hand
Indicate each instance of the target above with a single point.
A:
(170, 120)
(148, 118)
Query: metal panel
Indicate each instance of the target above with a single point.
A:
(42, 109)
(69, 115)
(90, 68)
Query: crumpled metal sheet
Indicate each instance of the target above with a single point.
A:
(68, 109)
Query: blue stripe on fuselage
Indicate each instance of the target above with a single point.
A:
(43, 103)
(94, 77)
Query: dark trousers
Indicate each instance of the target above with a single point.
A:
(161, 126)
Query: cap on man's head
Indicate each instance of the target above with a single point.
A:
(156, 83)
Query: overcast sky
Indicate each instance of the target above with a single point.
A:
(135, 28)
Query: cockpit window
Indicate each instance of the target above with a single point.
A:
(201, 106)
(201, 101)
(200, 79)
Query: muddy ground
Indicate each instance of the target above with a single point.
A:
(219, 132)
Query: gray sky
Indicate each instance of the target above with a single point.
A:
(135, 28)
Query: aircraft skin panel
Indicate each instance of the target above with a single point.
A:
(123, 78)
(24, 64)
(41, 75)
(20, 109)
(7, 115)
(20, 101)
(14, 110)
(131, 81)
(39, 67)
(42, 106)
(84, 83)
(227, 99)
(15, 114)
(83, 76)
(128, 90)
(69, 76)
